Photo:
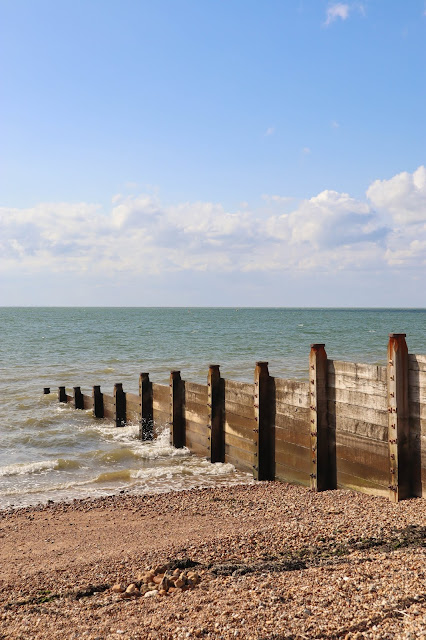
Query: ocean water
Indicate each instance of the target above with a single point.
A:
(50, 451)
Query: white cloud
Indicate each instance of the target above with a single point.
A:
(306, 151)
(139, 235)
(269, 132)
(335, 11)
(403, 196)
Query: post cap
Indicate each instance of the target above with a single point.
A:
(397, 335)
(317, 345)
(214, 366)
(261, 364)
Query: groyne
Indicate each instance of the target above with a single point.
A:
(350, 425)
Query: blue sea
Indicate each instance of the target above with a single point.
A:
(50, 451)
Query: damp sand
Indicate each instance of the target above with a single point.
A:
(275, 561)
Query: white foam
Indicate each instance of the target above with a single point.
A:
(30, 467)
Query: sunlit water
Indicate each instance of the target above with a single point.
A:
(50, 451)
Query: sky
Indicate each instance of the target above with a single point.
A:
(213, 153)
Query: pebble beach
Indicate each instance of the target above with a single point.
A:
(260, 561)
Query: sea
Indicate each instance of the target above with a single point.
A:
(49, 451)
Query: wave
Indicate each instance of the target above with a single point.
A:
(114, 476)
(21, 469)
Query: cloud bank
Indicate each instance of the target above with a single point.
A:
(331, 231)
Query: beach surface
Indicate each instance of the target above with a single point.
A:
(274, 561)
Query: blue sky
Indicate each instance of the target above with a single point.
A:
(211, 152)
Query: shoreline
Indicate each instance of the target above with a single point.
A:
(275, 561)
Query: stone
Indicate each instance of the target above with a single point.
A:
(150, 594)
(118, 588)
(133, 590)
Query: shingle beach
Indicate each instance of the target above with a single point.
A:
(270, 560)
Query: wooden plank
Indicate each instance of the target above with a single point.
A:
(194, 387)
(199, 409)
(372, 453)
(293, 421)
(133, 402)
(202, 429)
(194, 417)
(294, 456)
(285, 473)
(417, 379)
(235, 428)
(70, 399)
(373, 416)
(293, 399)
(161, 417)
(417, 410)
(239, 454)
(197, 448)
(239, 387)
(293, 435)
(238, 464)
(161, 406)
(358, 398)
(133, 417)
(359, 427)
(297, 387)
(373, 387)
(368, 475)
(417, 395)
(239, 410)
(357, 370)
(289, 411)
(348, 481)
(416, 362)
(241, 443)
(192, 396)
(108, 400)
(87, 401)
(160, 392)
(196, 438)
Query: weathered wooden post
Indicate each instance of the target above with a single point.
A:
(78, 398)
(323, 470)
(62, 394)
(398, 414)
(46, 391)
(177, 422)
(215, 406)
(98, 402)
(147, 422)
(119, 405)
(262, 469)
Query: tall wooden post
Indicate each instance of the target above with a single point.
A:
(215, 405)
(147, 422)
(262, 469)
(177, 422)
(78, 398)
(62, 394)
(398, 413)
(323, 470)
(120, 405)
(98, 402)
